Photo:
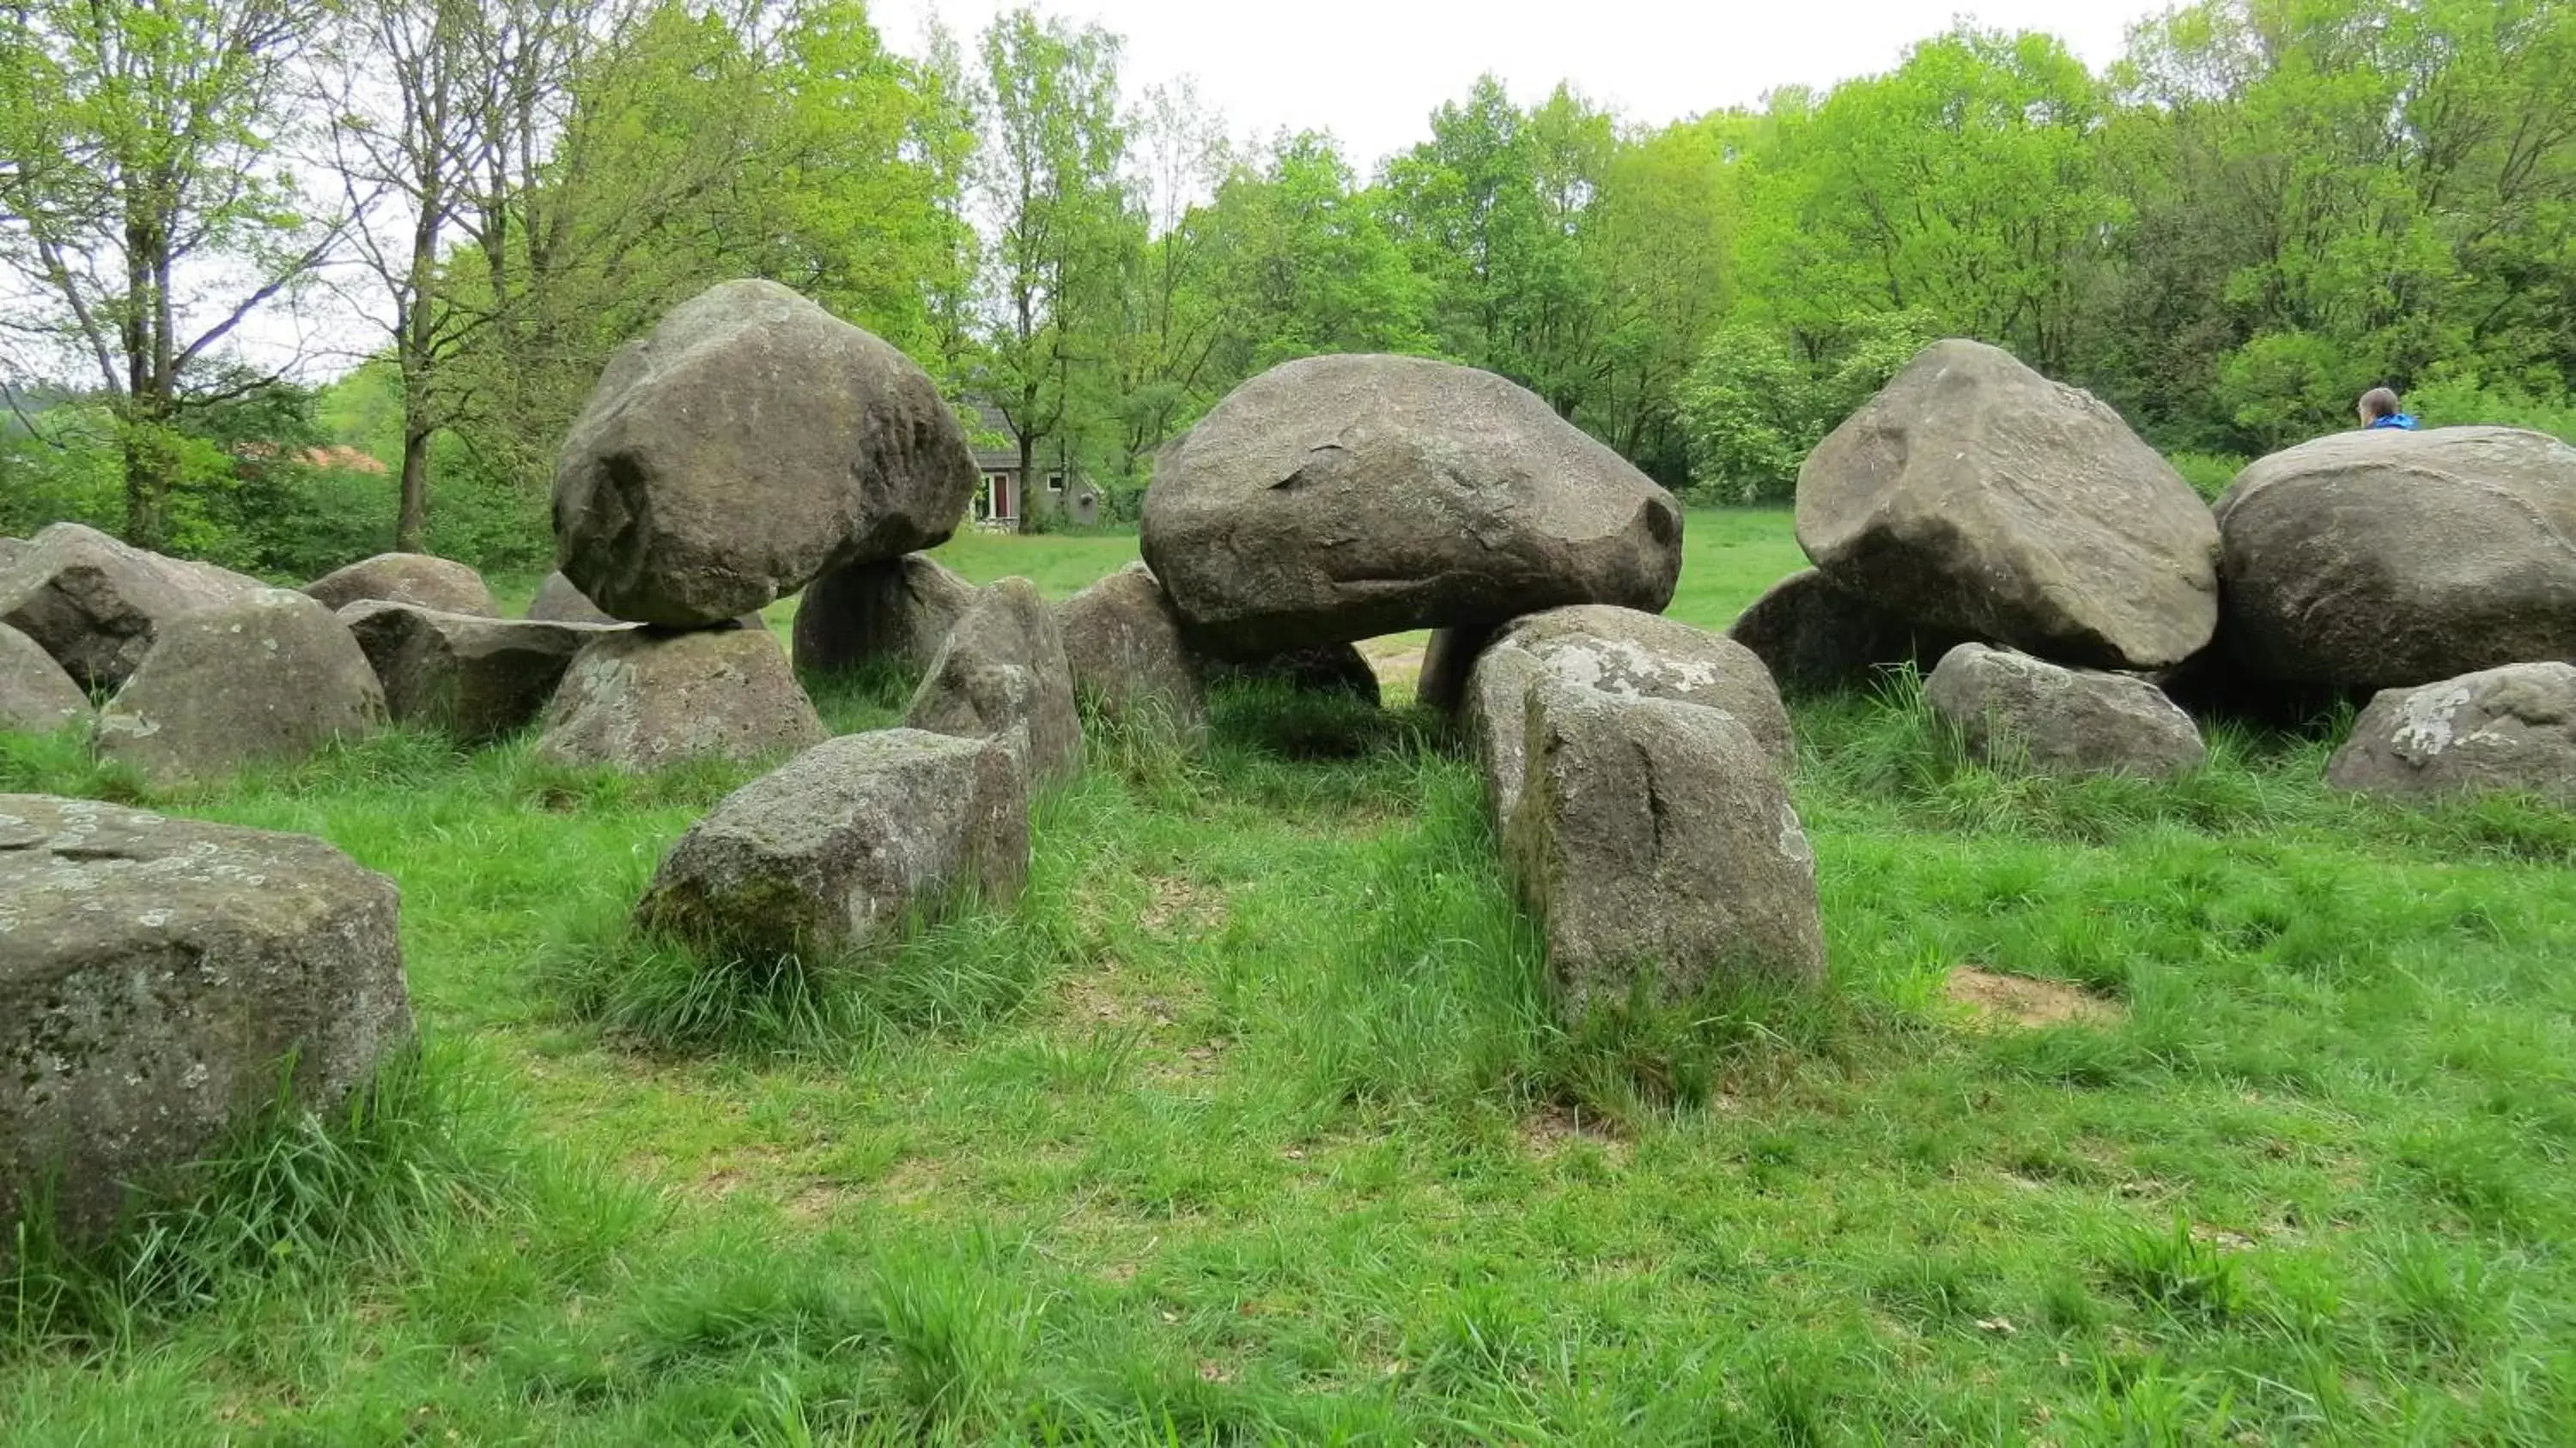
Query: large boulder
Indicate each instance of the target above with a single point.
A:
(11, 548)
(1817, 638)
(1658, 849)
(646, 699)
(157, 976)
(751, 442)
(1002, 674)
(270, 677)
(557, 601)
(2010, 707)
(36, 696)
(2385, 558)
(97, 605)
(1639, 655)
(475, 678)
(414, 578)
(1341, 498)
(2509, 729)
(1975, 495)
(897, 610)
(846, 843)
(1123, 639)
(1494, 715)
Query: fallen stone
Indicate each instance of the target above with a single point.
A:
(413, 578)
(846, 844)
(156, 977)
(2510, 729)
(270, 677)
(642, 700)
(1975, 495)
(1002, 674)
(36, 696)
(475, 678)
(1122, 638)
(1816, 638)
(2010, 707)
(97, 605)
(898, 611)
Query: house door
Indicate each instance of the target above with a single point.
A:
(1001, 498)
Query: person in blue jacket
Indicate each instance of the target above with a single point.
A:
(2379, 409)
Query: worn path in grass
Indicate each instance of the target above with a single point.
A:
(1247, 1124)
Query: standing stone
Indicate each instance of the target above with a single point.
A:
(414, 578)
(1341, 498)
(557, 601)
(2010, 707)
(1494, 715)
(475, 678)
(1659, 851)
(1975, 495)
(643, 699)
(1122, 638)
(1638, 655)
(1448, 661)
(156, 976)
(270, 677)
(97, 605)
(2510, 729)
(846, 843)
(899, 610)
(36, 696)
(1002, 674)
(751, 442)
(2381, 559)
(1819, 639)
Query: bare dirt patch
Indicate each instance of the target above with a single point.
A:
(2019, 1002)
(1547, 1132)
(1182, 906)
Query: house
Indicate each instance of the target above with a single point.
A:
(1053, 487)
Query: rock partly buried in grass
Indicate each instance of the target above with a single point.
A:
(898, 611)
(1123, 638)
(36, 696)
(1975, 495)
(1321, 669)
(1639, 655)
(1341, 498)
(1817, 638)
(847, 843)
(2509, 729)
(752, 441)
(2011, 708)
(645, 699)
(97, 605)
(1658, 849)
(474, 678)
(413, 578)
(1002, 674)
(2381, 559)
(270, 677)
(157, 977)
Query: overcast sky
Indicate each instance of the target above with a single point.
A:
(1372, 71)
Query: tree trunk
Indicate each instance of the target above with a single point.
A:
(412, 521)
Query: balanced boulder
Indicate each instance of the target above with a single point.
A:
(1817, 638)
(1002, 674)
(1341, 498)
(97, 605)
(2386, 558)
(36, 696)
(157, 978)
(898, 610)
(557, 601)
(645, 699)
(1122, 638)
(1975, 495)
(270, 677)
(475, 678)
(2510, 729)
(846, 843)
(752, 441)
(1658, 849)
(2010, 707)
(413, 578)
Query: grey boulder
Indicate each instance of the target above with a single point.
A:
(1122, 638)
(751, 442)
(156, 978)
(270, 677)
(1341, 498)
(1975, 495)
(2012, 708)
(2387, 558)
(1639, 655)
(557, 601)
(472, 677)
(2507, 729)
(1316, 669)
(642, 700)
(36, 696)
(97, 605)
(1003, 675)
(897, 611)
(846, 844)
(413, 578)
(1817, 638)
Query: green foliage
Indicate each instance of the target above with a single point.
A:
(1752, 410)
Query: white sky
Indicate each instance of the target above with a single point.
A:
(1372, 71)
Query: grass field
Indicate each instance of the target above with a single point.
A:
(1248, 1123)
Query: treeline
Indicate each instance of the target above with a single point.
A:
(2260, 210)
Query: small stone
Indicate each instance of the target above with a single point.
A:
(1123, 640)
(1002, 674)
(2011, 707)
(413, 578)
(2509, 729)
(645, 699)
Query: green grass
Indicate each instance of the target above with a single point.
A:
(1247, 1123)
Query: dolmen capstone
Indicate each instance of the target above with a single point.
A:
(2505, 729)
(413, 578)
(267, 677)
(2011, 708)
(1002, 674)
(158, 976)
(97, 605)
(36, 696)
(475, 678)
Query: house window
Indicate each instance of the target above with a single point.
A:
(1055, 482)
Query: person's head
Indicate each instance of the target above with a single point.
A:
(2377, 403)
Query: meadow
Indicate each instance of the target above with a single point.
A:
(2230, 1110)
